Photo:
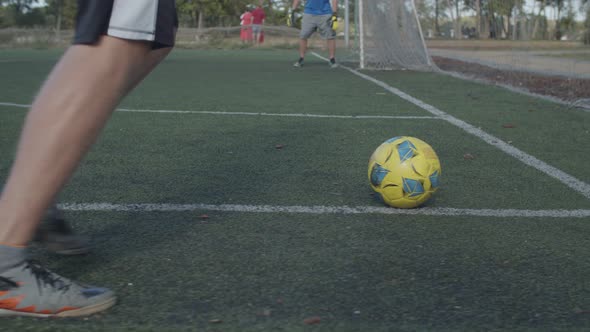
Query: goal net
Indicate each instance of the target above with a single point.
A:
(388, 35)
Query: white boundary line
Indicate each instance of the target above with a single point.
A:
(16, 61)
(291, 115)
(569, 104)
(570, 181)
(296, 209)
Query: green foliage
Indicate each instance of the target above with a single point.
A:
(64, 8)
(207, 13)
(201, 12)
(586, 37)
(21, 13)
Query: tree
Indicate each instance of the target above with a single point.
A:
(199, 11)
(64, 14)
(558, 6)
(586, 5)
(22, 13)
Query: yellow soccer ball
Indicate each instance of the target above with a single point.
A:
(404, 172)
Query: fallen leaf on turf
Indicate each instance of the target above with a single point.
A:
(312, 320)
(468, 156)
(279, 146)
(508, 125)
(204, 217)
(265, 313)
(215, 321)
(280, 300)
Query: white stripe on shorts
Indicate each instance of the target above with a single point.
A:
(134, 19)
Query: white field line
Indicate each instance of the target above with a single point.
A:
(16, 61)
(292, 115)
(317, 210)
(572, 182)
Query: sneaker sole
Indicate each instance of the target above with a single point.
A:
(85, 311)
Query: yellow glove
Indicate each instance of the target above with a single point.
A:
(291, 18)
(333, 21)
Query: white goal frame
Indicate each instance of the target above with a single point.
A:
(361, 32)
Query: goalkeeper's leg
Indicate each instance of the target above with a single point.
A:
(309, 25)
(332, 48)
(302, 51)
(328, 33)
(302, 48)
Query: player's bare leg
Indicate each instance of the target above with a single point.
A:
(55, 233)
(151, 61)
(65, 119)
(332, 52)
(332, 48)
(302, 47)
(302, 51)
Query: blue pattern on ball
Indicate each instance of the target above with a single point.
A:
(434, 179)
(391, 140)
(406, 150)
(378, 173)
(413, 187)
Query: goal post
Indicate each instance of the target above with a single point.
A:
(390, 36)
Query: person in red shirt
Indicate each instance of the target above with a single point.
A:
(258, 15)
(246, 23)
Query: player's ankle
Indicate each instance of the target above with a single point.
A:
(11, 256)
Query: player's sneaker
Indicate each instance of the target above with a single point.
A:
(333, 63)
(57, 236)
(29, 289)
(299, 63)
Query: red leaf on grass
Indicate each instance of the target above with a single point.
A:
(312, 320)
(468, 156)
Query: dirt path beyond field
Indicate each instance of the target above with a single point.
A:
(520, 60)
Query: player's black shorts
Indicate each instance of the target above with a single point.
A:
(151, 20)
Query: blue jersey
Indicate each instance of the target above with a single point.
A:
(318, 7)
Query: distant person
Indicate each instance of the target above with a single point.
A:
(246, 29)
(321, 16)
(259, 16)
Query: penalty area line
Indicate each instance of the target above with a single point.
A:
(289, 115)
(326, 210)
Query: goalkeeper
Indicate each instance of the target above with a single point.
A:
(319, 15)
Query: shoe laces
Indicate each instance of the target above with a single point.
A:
(7, 284)
(45, 277)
